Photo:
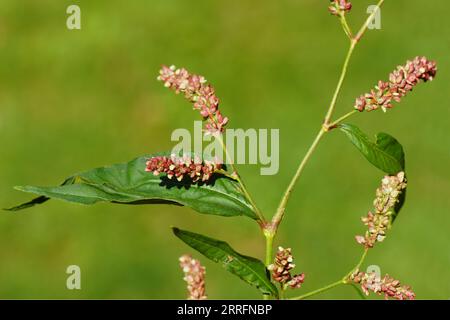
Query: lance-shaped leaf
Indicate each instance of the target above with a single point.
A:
(386, 153)
(249, 269)
(129, 183)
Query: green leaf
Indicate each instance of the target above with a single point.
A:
(249, 269)
(386, 153)
(129, 183)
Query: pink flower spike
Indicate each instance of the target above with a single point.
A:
(281, 270)
(379, 221)
(183, 167)
(387, 286)
(194, 275)
(197, 91)
(401, 81)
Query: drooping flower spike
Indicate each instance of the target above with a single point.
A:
(183, 167)
(387, 286)
(338, 7)
(401, 81)
(197, 91)
(379, 221)
(194, 275)
(281, 270)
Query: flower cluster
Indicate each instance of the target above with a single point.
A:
(281, 270)
(182, 167)
(338, 7)
(198, 92)
(386, 286)
(194, 275)
(387, 196)
(401, 81)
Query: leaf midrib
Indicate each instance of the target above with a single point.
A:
(127, 191)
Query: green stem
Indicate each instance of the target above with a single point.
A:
(276, 220)
(357, 267)
(320, 290)
(344, 280)
(339, 120)
(269, 249)
(269, 253)
(326, 125)
(282, 207)
(340, 82)
(363, 257)
(345, 26)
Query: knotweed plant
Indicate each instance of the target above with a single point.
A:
(209, 186)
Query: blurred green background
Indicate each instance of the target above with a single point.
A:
(74, 100)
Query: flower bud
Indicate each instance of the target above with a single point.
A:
(338, 7)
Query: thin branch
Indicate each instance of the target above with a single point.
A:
(277, 218)
(344, 280)
(282, 207)
(345, 26)
(320, 290)
(237, 177)
(339, 120)
(340, 82)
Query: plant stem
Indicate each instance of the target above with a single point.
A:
(345, 26)
(326, 125)
(363, 257)
(282, 207)
(269, 249)
(261, 218)
(320, 290)
(339, 120)
(353, 43)
(269, 252)
(360, 262)
(340, 82)
(335, 284)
